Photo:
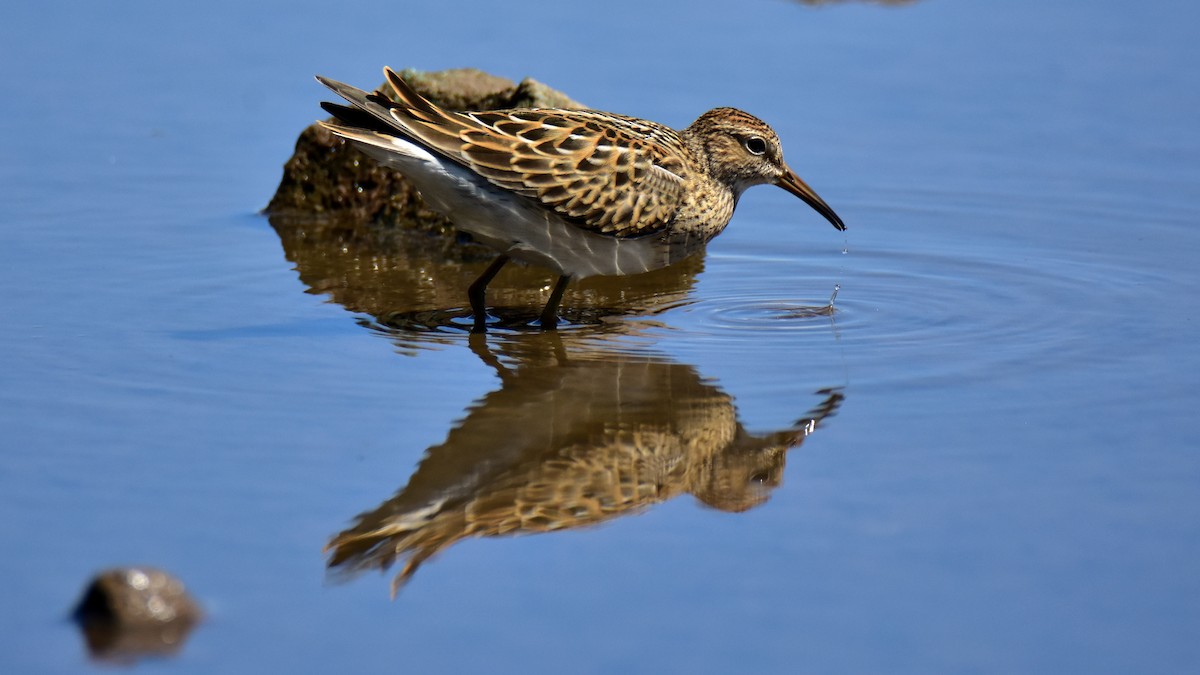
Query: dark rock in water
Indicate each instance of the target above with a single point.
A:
(325, 177)
(129, 613)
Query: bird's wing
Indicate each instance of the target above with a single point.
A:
(607, 173)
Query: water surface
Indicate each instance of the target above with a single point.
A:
(1005, 481)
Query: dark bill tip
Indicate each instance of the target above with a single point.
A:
(791, 182)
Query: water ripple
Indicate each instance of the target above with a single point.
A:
(907, 314)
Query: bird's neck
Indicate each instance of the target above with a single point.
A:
(706, 209)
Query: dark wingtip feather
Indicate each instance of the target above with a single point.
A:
(333, 84)
(337, 110)
(366, 111)
(358, 118)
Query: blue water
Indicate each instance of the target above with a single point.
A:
(1010, 484)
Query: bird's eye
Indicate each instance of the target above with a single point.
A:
(756, 145)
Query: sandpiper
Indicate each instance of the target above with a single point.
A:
(581, 192)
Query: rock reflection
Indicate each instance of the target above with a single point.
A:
(573, 437)
(415, 279)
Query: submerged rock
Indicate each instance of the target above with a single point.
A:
(326, 177)
(128, 613)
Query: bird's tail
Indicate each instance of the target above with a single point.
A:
(369, 123)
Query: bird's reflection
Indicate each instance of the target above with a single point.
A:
(583, 428)
(415, 280)
(574, 436)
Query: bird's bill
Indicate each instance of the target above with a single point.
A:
(791, 182)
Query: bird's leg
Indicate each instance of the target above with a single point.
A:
(550, 313)
(475, 292)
